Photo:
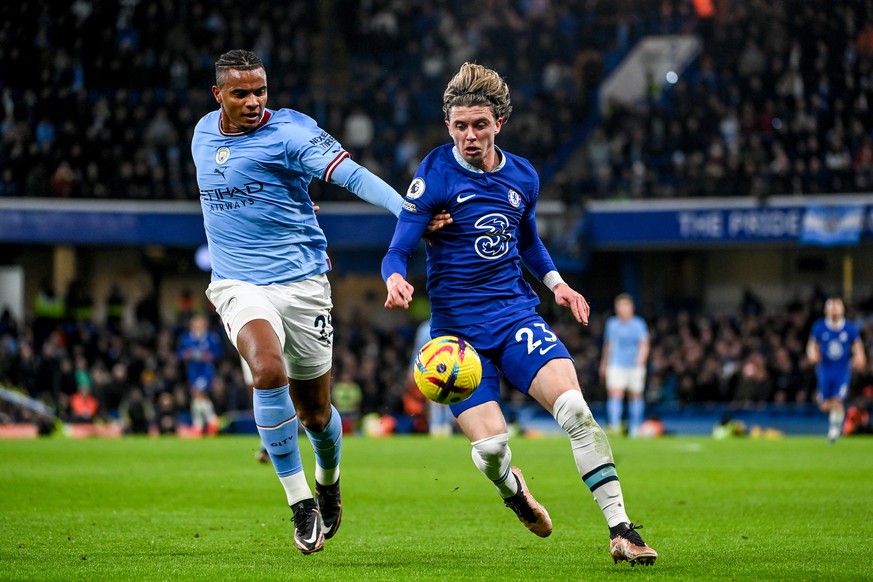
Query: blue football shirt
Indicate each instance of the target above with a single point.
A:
(474, 266)
(835, 344)
(259, 219)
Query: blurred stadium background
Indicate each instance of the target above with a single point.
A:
(714, 158)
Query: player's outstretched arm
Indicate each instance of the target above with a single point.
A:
(399, 292)
(565, 296)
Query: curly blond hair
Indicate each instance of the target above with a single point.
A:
(477, 85)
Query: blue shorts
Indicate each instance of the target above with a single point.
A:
(515, 346)
(833, 384)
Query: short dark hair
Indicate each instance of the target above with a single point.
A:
(236, 60)
(624, 297)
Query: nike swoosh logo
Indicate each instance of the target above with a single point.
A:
(314, 534)
(544, 350)
(465, 198)
(327, 529)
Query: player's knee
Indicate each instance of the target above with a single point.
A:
(268, 372)
(572, 412)
(491, 453)
(314, 419)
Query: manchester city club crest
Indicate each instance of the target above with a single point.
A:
(231, 305)
(514, 198)
(222, 155)
(416, 189)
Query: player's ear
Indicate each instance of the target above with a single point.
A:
(216, 92)
(448, 126)
(498, 124)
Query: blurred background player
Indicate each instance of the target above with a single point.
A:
(478, 292)
(835, 345)
(269, 263)
(623, 365)
(199, 348)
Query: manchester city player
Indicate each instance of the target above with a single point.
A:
(477, 291)
(269, 265)
(623, 364)
(835, 345)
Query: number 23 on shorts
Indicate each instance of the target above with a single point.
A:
(538, 337)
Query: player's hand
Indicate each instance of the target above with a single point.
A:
(316, 208)
(399, 292)
(567, 297)
(438, 221)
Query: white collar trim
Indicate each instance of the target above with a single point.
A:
(467, 166)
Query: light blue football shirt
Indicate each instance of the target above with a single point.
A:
(624, 339)
(259, 219)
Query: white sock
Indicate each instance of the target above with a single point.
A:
(326, 476)
(592, 454)
(296, 487)
(836, 416)
(492, 456)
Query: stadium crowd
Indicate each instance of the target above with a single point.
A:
(780, 101)
(131, 372)
(99, 99)
(108, 109)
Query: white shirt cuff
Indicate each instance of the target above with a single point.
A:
(552, 279)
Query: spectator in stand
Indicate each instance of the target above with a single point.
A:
(347, 399)
(119, 120)
(83, 405)
(137, 413)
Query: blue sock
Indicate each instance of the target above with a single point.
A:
(276, 420)
(327, 445)
(635, 410)
(613, 412)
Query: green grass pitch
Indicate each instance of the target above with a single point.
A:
(417, 509)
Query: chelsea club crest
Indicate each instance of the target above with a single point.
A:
(514, 198)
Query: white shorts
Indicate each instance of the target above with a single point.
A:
(299, 313)
(631, 379)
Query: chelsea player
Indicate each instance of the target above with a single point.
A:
(835, 345)
(269, 264)
(477, 291)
